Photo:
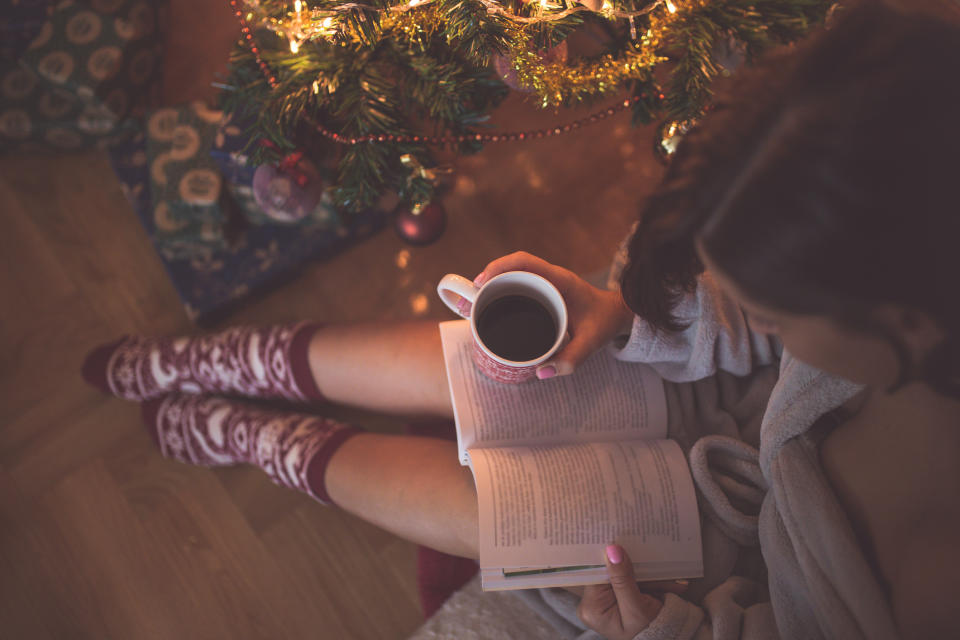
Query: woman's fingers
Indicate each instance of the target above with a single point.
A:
(593, 324)
(637, 608)
(618, 610)
(581, 346)
(523, 261)
(620, 570)
(678, 587)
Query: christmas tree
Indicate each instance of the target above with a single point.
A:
(374, 88)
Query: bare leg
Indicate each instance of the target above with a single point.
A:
(393, 368)
(413, 487)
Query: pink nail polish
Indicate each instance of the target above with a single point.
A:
(614, 554)
(546, 372)
(478, 281)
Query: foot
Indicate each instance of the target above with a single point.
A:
(269, 362)
(292, 448)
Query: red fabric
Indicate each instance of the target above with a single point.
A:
(439, 574)
(300, 361)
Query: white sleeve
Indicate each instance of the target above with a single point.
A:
(717, 337)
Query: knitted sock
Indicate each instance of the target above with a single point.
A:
(293, 449)
(268, 362)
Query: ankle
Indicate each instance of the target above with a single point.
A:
(301, 346)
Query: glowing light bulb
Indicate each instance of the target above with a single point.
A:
(294, 46)
(297, 6)
(671, 7)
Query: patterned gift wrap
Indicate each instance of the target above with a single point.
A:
(91, 65)
(20, 22)
(212, 280)
(185, 183)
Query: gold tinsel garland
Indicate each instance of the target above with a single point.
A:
(552, 82)
(556, 82)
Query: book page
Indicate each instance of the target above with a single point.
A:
(560, 505)
(605, 399)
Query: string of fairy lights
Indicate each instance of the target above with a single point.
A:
(524, 72)
(303, 24)
(553, 82)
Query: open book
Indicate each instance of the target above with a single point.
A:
(565, 466)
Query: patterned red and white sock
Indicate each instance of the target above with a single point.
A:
(292, 448)
(267, 362)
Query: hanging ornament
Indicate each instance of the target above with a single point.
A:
(289, 191)
(668, 136)
(420, 223)
(507, 72)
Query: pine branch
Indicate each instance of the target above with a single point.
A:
(383, 78)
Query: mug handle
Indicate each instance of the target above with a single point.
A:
(453, 287)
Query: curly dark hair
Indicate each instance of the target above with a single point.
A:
(823, 182)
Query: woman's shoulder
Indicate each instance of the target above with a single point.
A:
(926, 577)
(926, 569)
(895, 466)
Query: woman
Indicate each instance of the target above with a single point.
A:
(803, 233)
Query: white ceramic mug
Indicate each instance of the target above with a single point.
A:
(453, 287)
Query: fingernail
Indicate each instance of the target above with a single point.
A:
(614, 554)
(478, 281)
(464, 305)
(546, 372)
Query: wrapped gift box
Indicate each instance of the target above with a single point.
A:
(90, 68)
(214, 279)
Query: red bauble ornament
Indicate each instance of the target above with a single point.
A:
(420, 225)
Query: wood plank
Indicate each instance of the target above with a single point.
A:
(112, 578)
(354, 566)
(221, 564)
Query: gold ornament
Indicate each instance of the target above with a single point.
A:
(417, 170)
(557, 82)
(669, 135)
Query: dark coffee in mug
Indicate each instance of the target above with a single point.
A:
(517, 328)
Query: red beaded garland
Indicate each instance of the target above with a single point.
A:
(479, 137)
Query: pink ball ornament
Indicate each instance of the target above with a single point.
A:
(509, 75)
(287, 195)
(420, 226)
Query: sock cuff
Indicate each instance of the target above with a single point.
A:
(96, 366)
(317, 467)
(299, 354)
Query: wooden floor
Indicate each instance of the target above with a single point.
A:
(100, 537)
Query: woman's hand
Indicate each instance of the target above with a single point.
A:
(595, 315)
(619, 610)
